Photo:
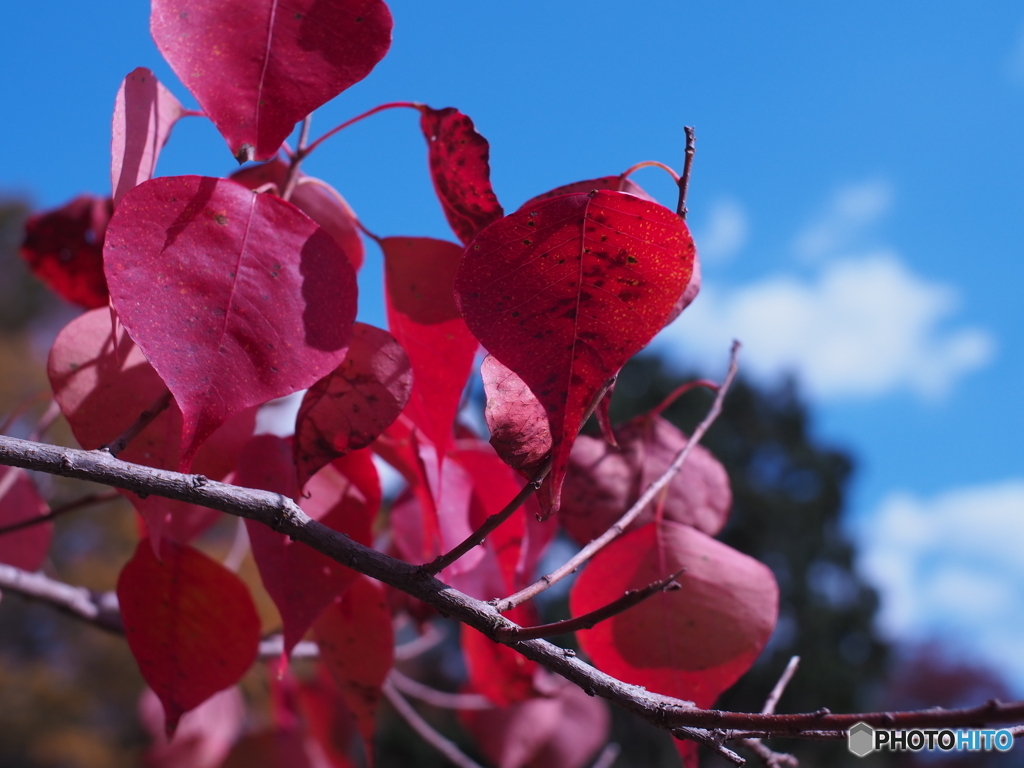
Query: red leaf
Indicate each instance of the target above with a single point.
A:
(603, 482)
(102, 390)
(19, 502)
(300, 580)
(352, 406)
(190, 624)
(613, 183)
(460, 168)
(692, 643)
(357, 645)
(279, 748)
(259, 68)
(64, 249)
(235, 298)
(517, 421)
(419, 275)
(144, 114)
(203, 737)
(564, 731)
(565, 292)
(317, 199)
(496, 671)
(328, 721)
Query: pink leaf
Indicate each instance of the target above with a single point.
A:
(20, 502)
(460, 167)
(613, 183)
(692, 643)
(564, 731)
(565, 292)
(101, 389)
(315, 198)
(203, 737)
(64, 249)
(278, 748)
(498, 672)
(350, 407)
(144, 114)
(603, 482)
(235, 298)
(517, 421)
(300, 580)
(190, 624)
(357, 645)
(259, 68)
(419, 275)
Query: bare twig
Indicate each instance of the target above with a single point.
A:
(586, 621)
(766, 755)
(684, 180)
(619, 528)
(49, 416)
(780, 687)
(285, 516)
(477, 537)
(710, 740)
(436, 698)
(608, 756)
(425, 730)
(99, 608)
(20, 410)
(145, 419)
(420, 645)
(356, 119)
(71, 506)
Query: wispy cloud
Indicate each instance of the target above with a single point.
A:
(724, 233)
(952, 565)
(850, 211)
(863, 327)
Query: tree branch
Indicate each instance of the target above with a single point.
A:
(283, 515)
(436, 698)
(573, 564)
(99, 608)
(586, 621)
(684, 180)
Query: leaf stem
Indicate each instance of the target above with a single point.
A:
(649, 164)
(145, 419)
(425, 730)
(684, 180)
(291, 177)
(681, 390)
(23, 406)
(71, 506)
(588, 620)
(356, 119)
(619, 528)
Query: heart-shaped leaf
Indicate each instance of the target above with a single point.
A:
(350, 407)
(64, 249)
(604, 481)
(614, 183)
(357, 645)
(459, 160)
(258, 68)
(692, 643)
(203, 737)
(102, 387)
(564, 292)
(144, 114)
(235, 298)
(301, 581)
(190, 624)
(20, 502)
(419, 274)
(315, 198)
(517, 421)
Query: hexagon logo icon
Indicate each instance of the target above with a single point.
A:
(861, 739)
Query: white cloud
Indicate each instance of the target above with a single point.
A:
(724, 233)
(952, 565)
(862, 327)
(852, 208)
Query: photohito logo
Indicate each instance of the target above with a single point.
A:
(862, 740)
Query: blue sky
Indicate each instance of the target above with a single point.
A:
(857, 199)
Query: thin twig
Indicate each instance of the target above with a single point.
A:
(684, 180)
(477, 537)
(356, 119)
(710, 740)
(436, 698)
(619, 528)
(99, 608)
(681, 390)
(19, 411)
(765, 754)
(291, 176)
(608, 756)
(432, 637)
(71, 506)
(145, 419)
(649, 164)
(425, 730)
(586, 621)
(287, 517)
(45, 421)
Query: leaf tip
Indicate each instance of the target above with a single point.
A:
(245, 154)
